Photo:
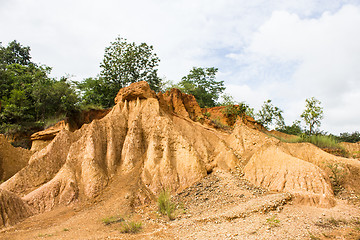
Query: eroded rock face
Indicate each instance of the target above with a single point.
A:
(12, 208)
(42, 138)
(140, 141)
(275, 170)
(180, 103)
(137, 135)
(12, 159)
(139, 90)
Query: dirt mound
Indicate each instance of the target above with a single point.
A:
(151, 142)
(299, 168)
(275, 170)
(137, 135)
(12, 208)
(12, 159)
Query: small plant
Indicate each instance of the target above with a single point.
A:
(313, 237)
(273, 222)
(112, 219)
(130, 227)
(337, 176)
(165, 205)
(207, 114)
(66, 230)
(233, 111)
(45, 235)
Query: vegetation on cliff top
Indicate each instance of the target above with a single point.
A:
(29, 98)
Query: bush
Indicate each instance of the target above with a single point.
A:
(165, 205)
(337, 176)
(130, 227)
(233, 111)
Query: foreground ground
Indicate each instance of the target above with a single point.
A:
(223, 205)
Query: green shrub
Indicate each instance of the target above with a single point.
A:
(130, 227)
(207, 114)
(337, 176)
(232, 112)
(165, 205)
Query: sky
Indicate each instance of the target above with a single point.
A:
(283, 50)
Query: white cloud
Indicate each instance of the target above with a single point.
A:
(326, 62)
(263, 49)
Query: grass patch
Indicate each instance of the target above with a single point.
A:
(329, 143)
(165, 205)
(112, 219)
(130, 227)
(45, 235)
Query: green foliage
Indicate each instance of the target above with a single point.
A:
(313, 114)
(349, 137)
(322, 141)
(125, 63)
(130, 227)
(294, 129)
(207, 114)
(96, 91)
(112, 219)
(201, 83)
(14, 53)
(234, 110)
(270, 113)
(273, 222)
(165, 205)
(28, 96)
(337, 176)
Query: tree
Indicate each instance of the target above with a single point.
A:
(270, 113)
(294, 129)
(201, 83)
(15, 53)
(28, 96)
(312, 114)
(349, 137)
(125, 63)
(95, 91)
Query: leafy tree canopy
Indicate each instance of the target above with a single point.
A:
(349, 137)
(15, 53)
(312, 115)
(270, 113)
(294, 129)
(124, 63)
(28, 96)
(201, 83)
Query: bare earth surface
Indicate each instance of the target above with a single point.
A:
(233, 183)
(223, 205)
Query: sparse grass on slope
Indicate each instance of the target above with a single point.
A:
(321, 141)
